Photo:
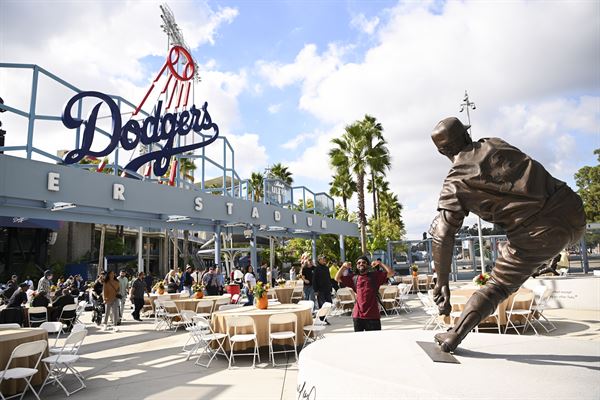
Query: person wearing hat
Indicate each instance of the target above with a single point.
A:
(187, 280)
(365, 284)
(19, 297)
(504, 186)
(45, 283)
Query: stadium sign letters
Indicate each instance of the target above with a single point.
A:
(153, 129)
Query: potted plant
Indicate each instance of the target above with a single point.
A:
(415, 270)
(281, 282)
(260, 294)
(481, 279)
(198, 289)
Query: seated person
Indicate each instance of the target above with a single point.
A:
(60, 302)
(40, 300)
(19, 297)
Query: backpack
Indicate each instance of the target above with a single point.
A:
(373, 286)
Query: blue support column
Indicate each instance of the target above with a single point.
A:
(253, 255)
(313, 242)
(342, 249)
(218, 246)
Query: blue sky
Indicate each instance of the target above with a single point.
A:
(282, 78)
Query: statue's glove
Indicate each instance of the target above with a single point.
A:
(441, 296)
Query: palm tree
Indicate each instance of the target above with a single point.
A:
(379, 186)
(279, 171)
(350, 153)
(257, 180)
(342, 186)
(187, 166)
(390, 207)
(378, 155)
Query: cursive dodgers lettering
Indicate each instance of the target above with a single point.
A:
(154, 129)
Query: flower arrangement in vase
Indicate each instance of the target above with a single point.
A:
(481, 279)
(198, 289)
(415, 269)
(281, 282)
(260, 294)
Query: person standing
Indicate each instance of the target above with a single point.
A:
(306, 273)
(136, 294)
(366, 284)
(210, 282)
(220, 280)
(262, 274)
(123, 288)
(249, 283)
(196, 276)
(322, 281)
(238, 276)
(292, 273)
(110, 292)
(45, 283)
(149, 282)
(187, 280)
(172, 281)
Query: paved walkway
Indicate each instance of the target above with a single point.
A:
(140, 363)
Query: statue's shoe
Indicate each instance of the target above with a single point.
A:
(448, 341)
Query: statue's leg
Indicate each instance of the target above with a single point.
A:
(480, 305)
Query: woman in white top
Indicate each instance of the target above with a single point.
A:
(292, 274)
(249, 283)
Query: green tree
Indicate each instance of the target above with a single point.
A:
(342, 186)
(588, 181)
(279, 171)
(350, 152)
(377, 186)
(256, 181)
(378, 155)
(187, 166)
(381, 231)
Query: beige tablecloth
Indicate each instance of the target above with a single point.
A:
(502, 307)
(261, 319)
(415, 282)
(392, 293)
(284, 294)
(11, 338)
(190, 303)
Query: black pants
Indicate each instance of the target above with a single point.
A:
(324, 297)
(335, 285)
(366, 324)
(138, 304)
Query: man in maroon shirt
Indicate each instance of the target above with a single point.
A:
(366, 285)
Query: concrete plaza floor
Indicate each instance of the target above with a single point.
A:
(139, 362)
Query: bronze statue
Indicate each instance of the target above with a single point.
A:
(502, 185)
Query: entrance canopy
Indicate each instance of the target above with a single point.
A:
(40, 190)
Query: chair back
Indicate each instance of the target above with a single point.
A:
(51, 327)
(272, 294)
(228, 295)
(221, 301)
(37, 315)
(542, 294)
(9, 326)
(184, 293)
(226, 307)
(29, 349)
(73, 342)
(345, 294)
(235, 298)
(239, 321)
(170, 306)
(78, 327)
(526, 298)
(68, 312)
(204, 306)
(201, 322)
(308, 303)
(281, 319)
(389, 292)
(324, 310)
(187, 317)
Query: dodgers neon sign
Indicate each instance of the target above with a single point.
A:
(153, 129)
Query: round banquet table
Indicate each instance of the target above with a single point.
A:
(11, 338)
(502, 307)
(261, 319)
(390, 365)
(284, 294)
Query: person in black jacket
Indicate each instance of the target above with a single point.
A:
(322, 282)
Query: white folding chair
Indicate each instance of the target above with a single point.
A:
(172, 314)
(78, 327)
(238, 322)
(402, 297)
(221, 302)
(315, 331)
(37, 315)
(388, 298)
(346, 298)
(297, 294)
(52, 327)
(68, 315)
(59, 365)
(159, 315)
(9, 326)
(21, 351)
(525, 312)
(204, 337)
(282, 319)
(272, 294)
(422, 282)
(79, 311)
(204, 308)
(542, 295)
(431, 309)
(459, 302)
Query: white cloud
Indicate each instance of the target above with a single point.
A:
(274, 108)
(536, 87)
(296, 141)
(363, 24)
